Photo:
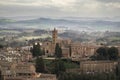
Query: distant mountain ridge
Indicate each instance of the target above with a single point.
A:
(80, 24)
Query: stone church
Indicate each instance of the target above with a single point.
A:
(74, 50)
(49, 46)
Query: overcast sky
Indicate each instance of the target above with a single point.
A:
(60, 8)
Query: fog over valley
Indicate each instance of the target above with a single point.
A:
(66, 23)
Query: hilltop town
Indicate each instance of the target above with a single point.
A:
(59, 39)
(59, 58)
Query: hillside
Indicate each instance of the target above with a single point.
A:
(72, 24)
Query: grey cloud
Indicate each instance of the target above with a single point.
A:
(29, 11)
(78, 8)
(109, 1)
(30, 1)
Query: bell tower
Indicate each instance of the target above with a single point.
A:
(54, 36)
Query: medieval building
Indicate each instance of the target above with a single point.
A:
(74, 50)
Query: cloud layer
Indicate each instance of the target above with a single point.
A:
(60, 8)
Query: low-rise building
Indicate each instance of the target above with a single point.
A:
(15, 71)
(98, 66)
(15, 54)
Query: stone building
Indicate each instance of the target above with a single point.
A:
(98, 66)
(65, 52)
(17, 71)
(54, 36)
(118, 47)
(49, 46)
(22, 71)
(74, 50)
(82, 51)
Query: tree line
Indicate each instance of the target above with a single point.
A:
(106, 53)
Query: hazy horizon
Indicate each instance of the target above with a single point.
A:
(87, 15)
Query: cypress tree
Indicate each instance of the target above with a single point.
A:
(58, 51)
(36, 50)
(59, 67)
(40, 67)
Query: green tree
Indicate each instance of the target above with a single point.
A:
(70, 50)
(1, 46)
(59, 67)
(40, 67)
(113, 53)
(58, 51)
(102, 53)
(36, 50)
(105, 53)
(0, 75)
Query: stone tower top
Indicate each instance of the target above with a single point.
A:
(54, 36)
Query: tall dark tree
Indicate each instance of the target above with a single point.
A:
(40, 66)
(1, 46)
(0, 75)
(36, 50)
(70, 50)
(59, 67)
(58, 51)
